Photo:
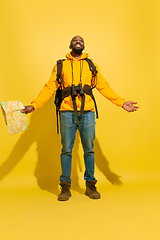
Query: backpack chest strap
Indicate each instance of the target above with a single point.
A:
(87, 90)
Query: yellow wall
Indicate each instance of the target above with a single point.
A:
(122, 38)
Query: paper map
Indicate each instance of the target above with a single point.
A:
(15, 120)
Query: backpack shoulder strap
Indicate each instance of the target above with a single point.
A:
(59, 70)
(92, 67)
(94, 71)
(58, 97)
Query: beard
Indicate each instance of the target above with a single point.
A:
(78, 50)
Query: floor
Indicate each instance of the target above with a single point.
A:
(126, 212)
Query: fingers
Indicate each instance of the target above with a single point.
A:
(133, 102)
(23, 110)
(131, 109)
(28, 109)
(134, 109)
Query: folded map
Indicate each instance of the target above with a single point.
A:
(14, 119)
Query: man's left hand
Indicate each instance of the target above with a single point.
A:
(129, 106)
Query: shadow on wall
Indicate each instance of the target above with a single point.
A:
(42, 130)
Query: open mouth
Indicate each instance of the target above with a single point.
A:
(78, 45)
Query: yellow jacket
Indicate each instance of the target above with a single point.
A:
(77, 67)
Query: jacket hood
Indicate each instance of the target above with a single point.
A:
(84, 55)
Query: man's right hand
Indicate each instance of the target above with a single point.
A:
(28, 109)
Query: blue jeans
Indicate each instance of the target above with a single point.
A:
(69, 123)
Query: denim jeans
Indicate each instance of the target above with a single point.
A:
(69, 123)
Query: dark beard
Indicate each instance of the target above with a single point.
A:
(78, 51)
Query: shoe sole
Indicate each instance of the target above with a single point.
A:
(64, 199)
(92, 197)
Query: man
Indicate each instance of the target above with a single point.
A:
(76, 73)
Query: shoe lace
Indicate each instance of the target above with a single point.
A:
(64, 188)
(92, 187)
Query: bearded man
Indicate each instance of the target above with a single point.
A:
(76, 75)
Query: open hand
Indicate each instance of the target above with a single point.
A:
(28, 109)
(129, 106)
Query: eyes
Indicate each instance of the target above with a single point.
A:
(76, 40)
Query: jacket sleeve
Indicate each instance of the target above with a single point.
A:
(104, 88)
(47, 91)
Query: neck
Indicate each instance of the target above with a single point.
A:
(76, 55)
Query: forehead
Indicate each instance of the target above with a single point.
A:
(77, 38)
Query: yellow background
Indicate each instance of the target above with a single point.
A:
(123, 38)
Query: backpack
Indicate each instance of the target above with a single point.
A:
(61, 94)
